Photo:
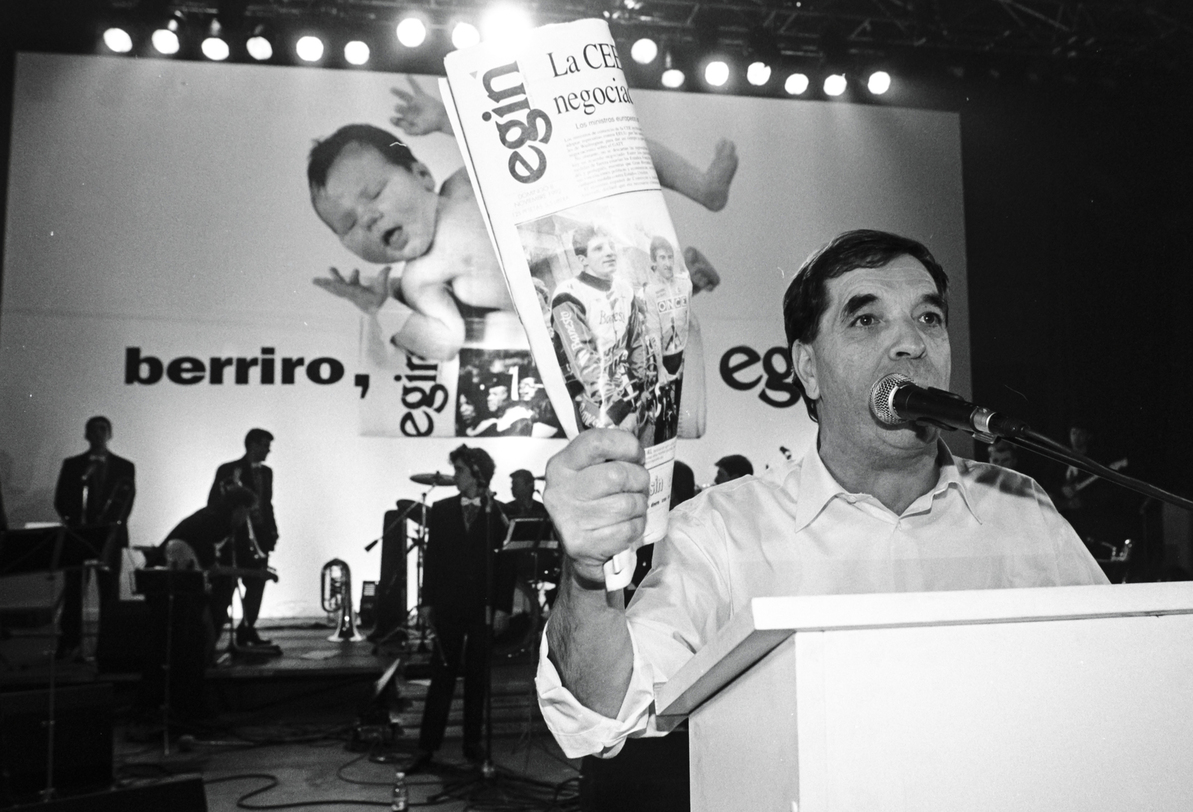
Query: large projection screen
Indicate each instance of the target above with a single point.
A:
(160, 210)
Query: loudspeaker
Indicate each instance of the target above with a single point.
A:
(391, 588)
(124, 628)
(82, 740)
(179, 794)
(368, 604)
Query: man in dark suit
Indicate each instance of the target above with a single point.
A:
(256, 538)
(94, 497)
(465, 535)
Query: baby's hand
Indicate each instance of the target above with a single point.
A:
(368, 296)
(419, 113)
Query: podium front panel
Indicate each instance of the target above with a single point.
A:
(1089, 714)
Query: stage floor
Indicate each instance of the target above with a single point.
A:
(302, 719)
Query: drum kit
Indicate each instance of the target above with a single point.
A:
(538, 570)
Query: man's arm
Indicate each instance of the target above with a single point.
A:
(596, 494)
(266, 504)
(217, 485)
(131, 474)
(63, 493)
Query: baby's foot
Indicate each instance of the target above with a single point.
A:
(719, 176)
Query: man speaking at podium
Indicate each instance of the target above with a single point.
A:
(870, 507)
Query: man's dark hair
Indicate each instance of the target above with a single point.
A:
(735, 465)
(257, 436)
(99, 418)
(522, 474)
(325, 152)
(237, 496)
(476, 460)
(683, 483)
(806, 299)
(580, 239)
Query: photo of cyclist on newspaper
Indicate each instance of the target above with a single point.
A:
(616, 307)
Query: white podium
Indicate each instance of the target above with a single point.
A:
(1065, 698)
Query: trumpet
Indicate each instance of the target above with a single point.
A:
(336, 597)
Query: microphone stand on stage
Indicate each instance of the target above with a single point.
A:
(493, 786)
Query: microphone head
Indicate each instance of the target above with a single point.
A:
(882, 398)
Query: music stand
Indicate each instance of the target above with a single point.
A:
(156, 583)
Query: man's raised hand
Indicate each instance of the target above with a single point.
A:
(596, 493)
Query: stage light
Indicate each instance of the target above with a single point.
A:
(118, 41)
(505, 25)
(644, 51)
(465, 35)
(165, 39)
(356, 52)
(879, 82)
(796, 84)
(716, 73)
(258, 46)
(309, 48)
(672, 76)
(214, 47)
(411, 32)
(834, 84)
(758, 74)
(763, 51)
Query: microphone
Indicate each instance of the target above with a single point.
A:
(896, 399)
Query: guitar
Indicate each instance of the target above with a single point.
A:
(1071, 490)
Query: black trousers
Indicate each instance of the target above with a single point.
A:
(463, 646)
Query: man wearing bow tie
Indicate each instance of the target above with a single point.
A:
(256, 538)
(465, 535)
(94, 489)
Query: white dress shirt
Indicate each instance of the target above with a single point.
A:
(795, 531)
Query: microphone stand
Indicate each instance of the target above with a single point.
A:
(1047, 447)
(494, 787)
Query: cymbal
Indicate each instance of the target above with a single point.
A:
(433, 479)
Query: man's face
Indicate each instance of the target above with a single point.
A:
(878, 321)
(522, 488)
(465, 481)
(467, 410)
(258, 451)
(381, 212)
(664, 264)
(722, 476)
(1078, 439)
(98, 434)
(240, 515)
(1004, 457)
(602, 257)
(526, 388)
(496, 397)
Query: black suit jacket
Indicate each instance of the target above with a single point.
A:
(112, 500)
(241, 472)
(454, 562)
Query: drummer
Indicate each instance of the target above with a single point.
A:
(542, 564)
(524, 505)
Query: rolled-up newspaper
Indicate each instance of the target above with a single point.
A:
(563, 175)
